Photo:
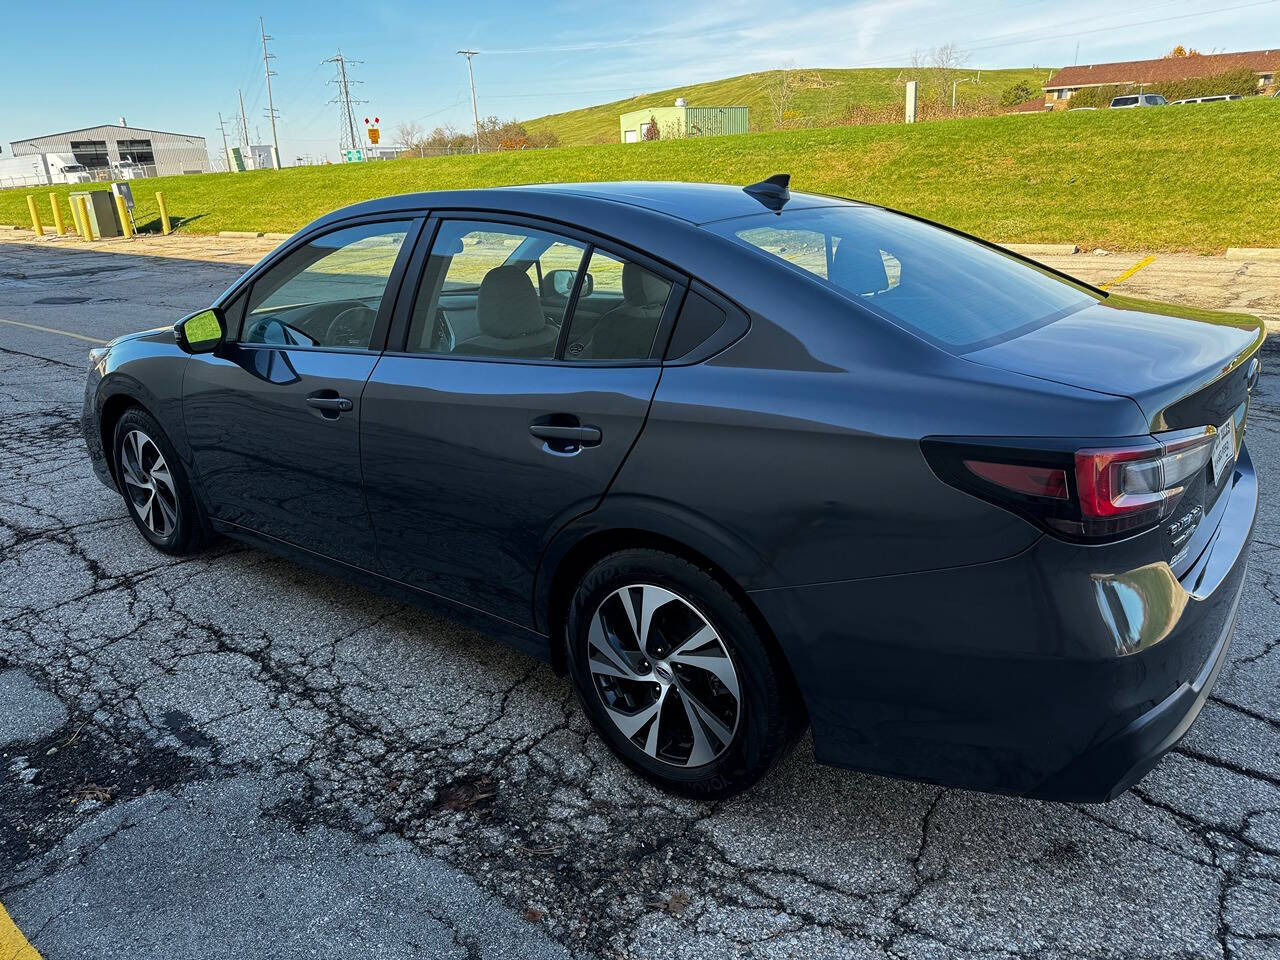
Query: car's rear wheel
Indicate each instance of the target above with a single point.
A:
(156, 490)
(675, 676)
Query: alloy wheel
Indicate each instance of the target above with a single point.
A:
(664, 675)
(149, 483)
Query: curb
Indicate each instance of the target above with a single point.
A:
(1042, 249)
(1253, 253)
(239, 234)
(275, 236)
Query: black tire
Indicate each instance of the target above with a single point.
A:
(767, 720)
(177, 516)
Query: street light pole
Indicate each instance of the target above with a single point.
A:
(475, 114)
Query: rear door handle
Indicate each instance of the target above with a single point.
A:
(586, 436)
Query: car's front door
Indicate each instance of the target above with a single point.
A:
(481, 434)
(273, 415)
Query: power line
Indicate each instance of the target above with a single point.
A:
(475, 114)
(345, 101)
(271, 105)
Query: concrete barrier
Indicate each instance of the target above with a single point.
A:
(239, 234)
(1043, 249)
(1253, 253)
(276, 236)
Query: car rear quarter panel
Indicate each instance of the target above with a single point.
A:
(803, 440)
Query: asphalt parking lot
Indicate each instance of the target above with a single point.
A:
(231, 755)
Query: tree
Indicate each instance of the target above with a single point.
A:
(650, 129)
(780, 88)
(947, 62)
(1016, 93)
(1180, 51)
(411, 138)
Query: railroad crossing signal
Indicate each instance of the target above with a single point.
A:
(374, 133)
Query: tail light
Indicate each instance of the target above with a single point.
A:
(1085, 491)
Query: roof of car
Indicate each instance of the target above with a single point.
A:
(694, 203)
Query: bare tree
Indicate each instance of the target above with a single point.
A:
(411, 138)
(947, 62)
(780, 88)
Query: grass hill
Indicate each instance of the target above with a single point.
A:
(820, 98)
(1197, 178)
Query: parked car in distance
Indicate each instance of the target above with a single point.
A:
(1138, 100)
(1214, 99)
(735, 460)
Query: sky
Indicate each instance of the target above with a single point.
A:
(178, 64)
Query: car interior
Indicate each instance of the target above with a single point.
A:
(517, 307)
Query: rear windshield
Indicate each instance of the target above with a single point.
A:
(950, 290)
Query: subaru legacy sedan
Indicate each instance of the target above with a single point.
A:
(738, 461)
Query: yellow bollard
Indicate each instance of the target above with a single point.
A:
(59, 226)
(35, 216)
(126, 225)
(83, 209)
(164, 214)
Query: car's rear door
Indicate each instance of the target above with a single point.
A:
(273, 415)
(479, 438)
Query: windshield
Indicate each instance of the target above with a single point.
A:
(952, 291)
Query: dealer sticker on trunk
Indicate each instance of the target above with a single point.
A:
(1224, 449)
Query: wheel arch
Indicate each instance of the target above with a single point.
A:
(574, 552)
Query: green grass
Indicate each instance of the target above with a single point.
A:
(822, 98)
(1197, 178)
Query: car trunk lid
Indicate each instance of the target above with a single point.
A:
(1183, 373)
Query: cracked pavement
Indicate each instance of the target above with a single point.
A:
(232, 755)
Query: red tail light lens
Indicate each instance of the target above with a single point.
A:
(1034, 481)
(1085, 491)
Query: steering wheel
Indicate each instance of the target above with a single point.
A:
(352, 327)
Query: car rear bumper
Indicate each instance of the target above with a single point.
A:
(1064, 672)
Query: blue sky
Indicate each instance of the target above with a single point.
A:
(535, 57)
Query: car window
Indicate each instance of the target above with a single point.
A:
(1124, 101)
(327, 292)
(951, 290)
(492, 289)
(618, 311)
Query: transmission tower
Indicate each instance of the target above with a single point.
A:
(345, 102)
(271, 104)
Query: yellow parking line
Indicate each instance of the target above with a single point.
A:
(62, 333)
(1128, 273)
(13, 945)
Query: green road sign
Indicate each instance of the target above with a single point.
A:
(354, 156)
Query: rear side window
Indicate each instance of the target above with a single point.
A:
(1124, 101)
(948, 289)
(618, 311)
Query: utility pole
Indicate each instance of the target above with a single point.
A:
(345, 100)
(271, 105)
(222, 128)
(475, 114)
(244, 124)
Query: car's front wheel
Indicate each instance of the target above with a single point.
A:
(155, 485)
(675, 676)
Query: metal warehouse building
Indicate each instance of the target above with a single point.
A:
(103, 149)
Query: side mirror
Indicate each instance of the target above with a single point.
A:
(561, 283)
(201, 332)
